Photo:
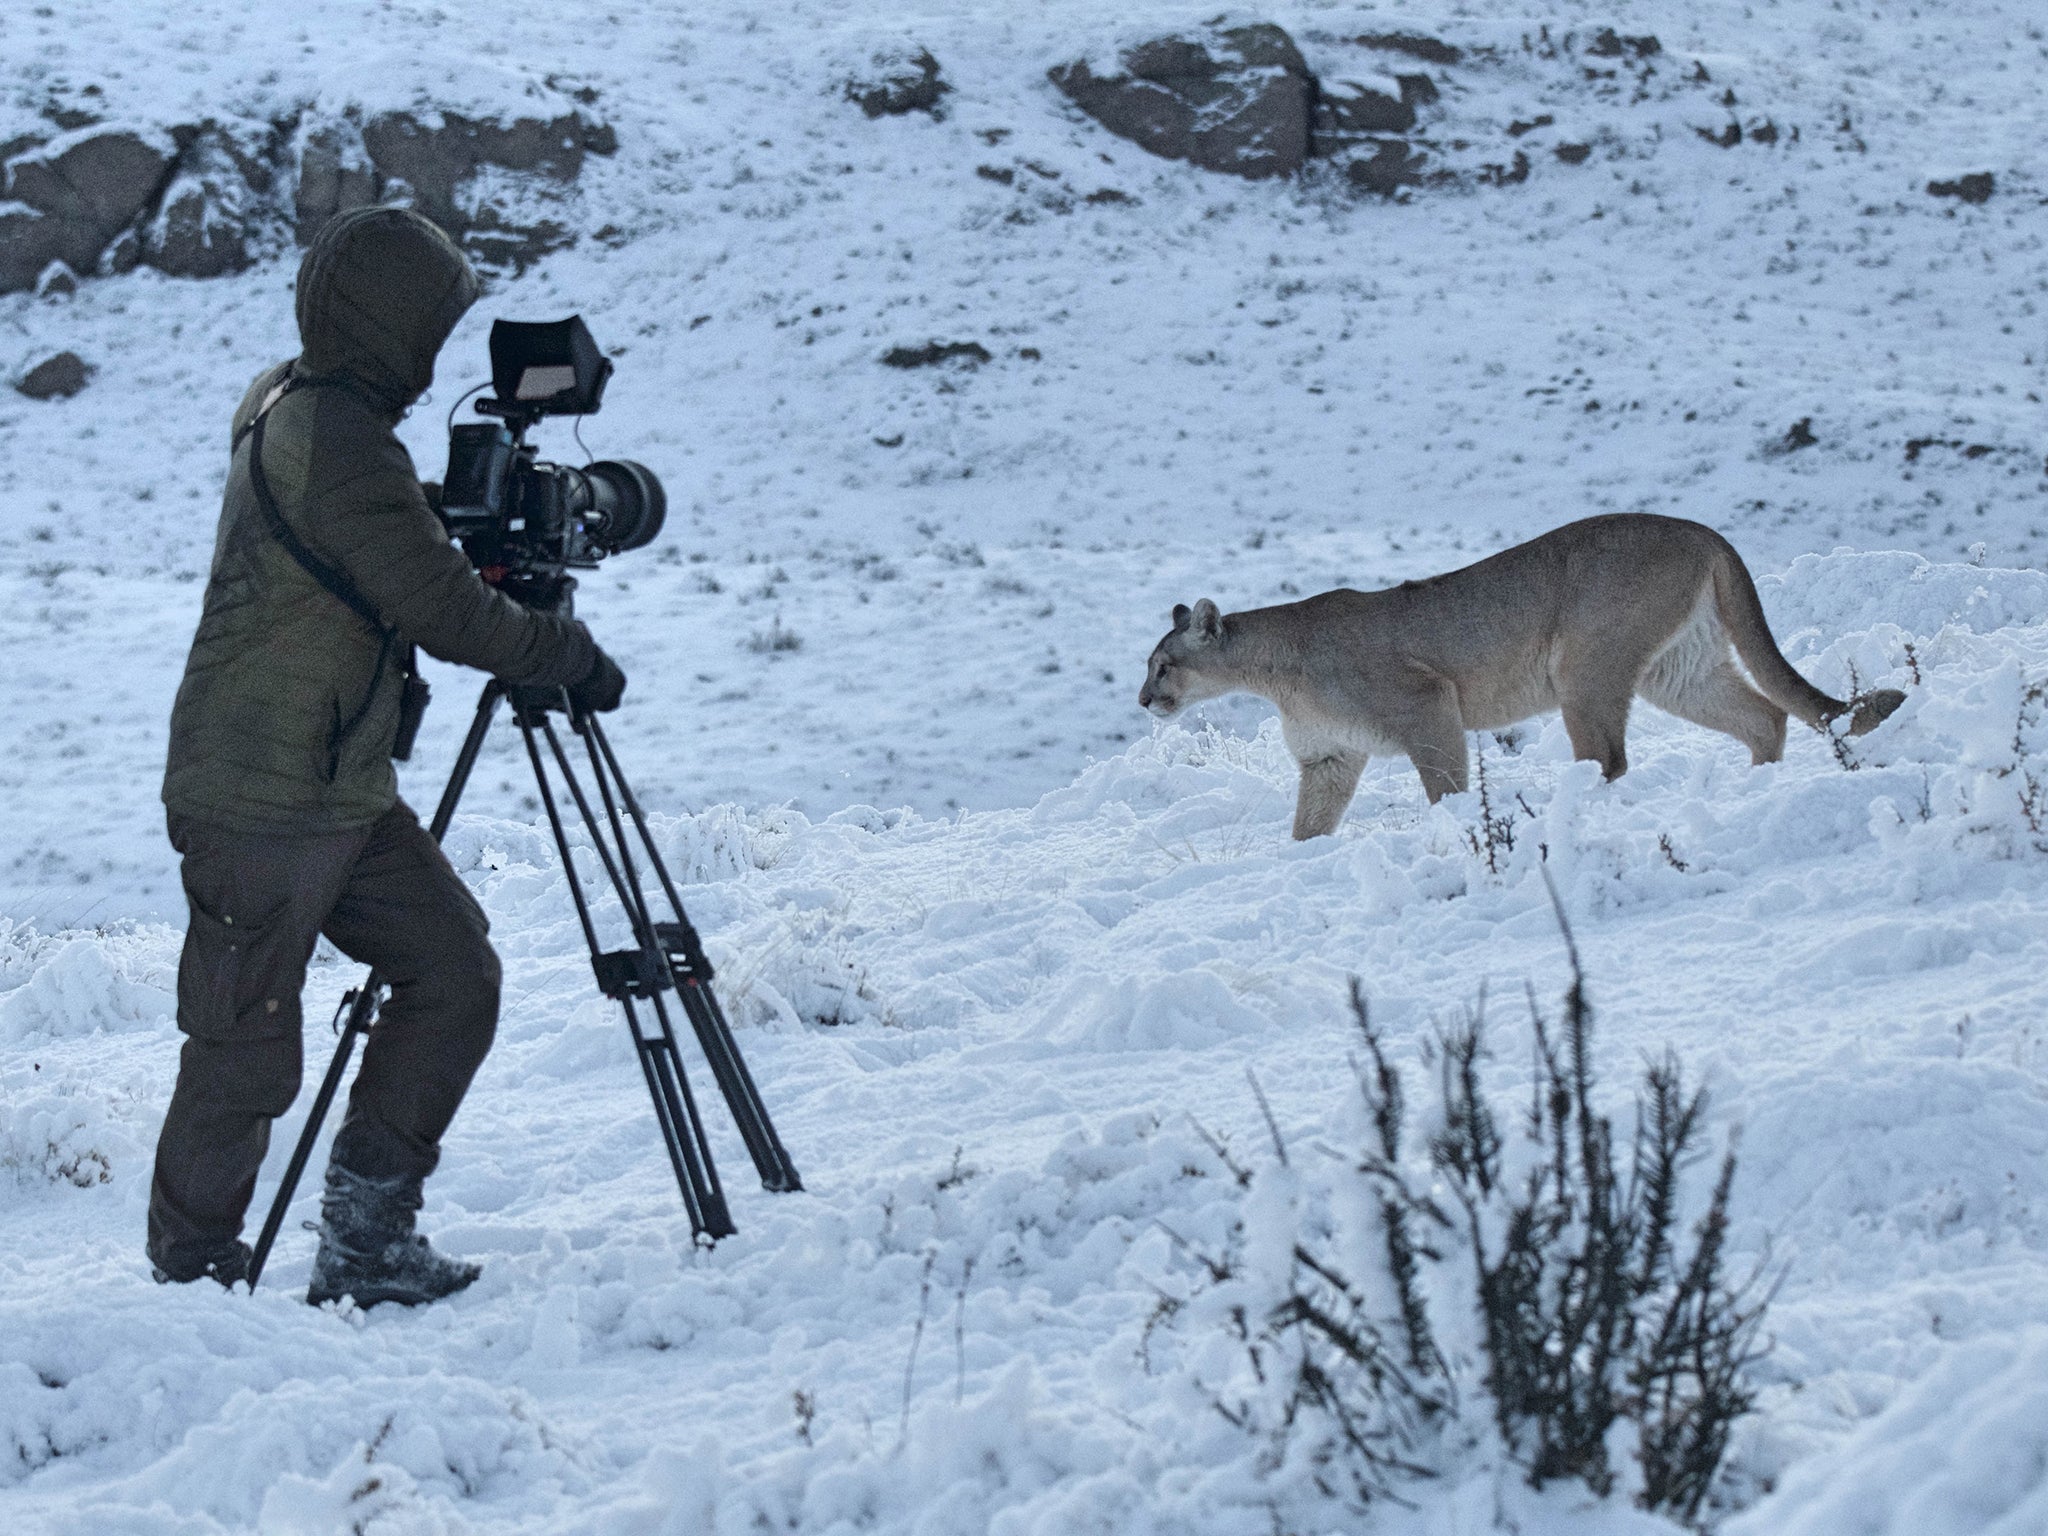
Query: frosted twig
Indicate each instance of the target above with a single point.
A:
(1272, 1125)
(924, 1297)
(960, 1334)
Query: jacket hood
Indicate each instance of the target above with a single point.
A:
(379, 290)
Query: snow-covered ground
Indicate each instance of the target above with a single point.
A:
(994, 943)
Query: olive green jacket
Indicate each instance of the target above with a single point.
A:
(285, 720)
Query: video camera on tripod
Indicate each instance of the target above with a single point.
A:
(525, 524)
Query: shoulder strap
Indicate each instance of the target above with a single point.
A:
(339, 585)
(334, 581)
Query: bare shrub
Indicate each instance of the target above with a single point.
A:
(1555, 1245)
(774, 639)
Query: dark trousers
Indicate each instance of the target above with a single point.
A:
(387, 896)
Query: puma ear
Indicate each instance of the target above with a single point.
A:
(1180, 617)
(1206, 622)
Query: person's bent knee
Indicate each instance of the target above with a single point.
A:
(486, 989)
(248, 1076)
(469, 985)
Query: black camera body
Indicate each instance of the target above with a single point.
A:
(523, 522)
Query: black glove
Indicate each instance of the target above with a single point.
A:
(601, 686)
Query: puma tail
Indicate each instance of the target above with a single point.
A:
(1742, 615)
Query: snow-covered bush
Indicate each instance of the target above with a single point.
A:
(1983, 744)
(1411, 1301)
(65, 1127)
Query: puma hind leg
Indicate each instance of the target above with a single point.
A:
(1721, 699)
(1598, 676)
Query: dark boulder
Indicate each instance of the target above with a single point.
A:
(494, 186)
(1608, 44)
(1976, 187)
(970, 353)
(488, 184)
(55, 378)
(209, 198)
(500, 234)
(1347, 111)
(1347, 107)
(334, 173)
(1236, 99)
(900, 83)
(26, 242)
(57, 281)
(435, 153)
(75, 194)
(215, 209)
(1428, 49)
(1392, 167)
(197, 232)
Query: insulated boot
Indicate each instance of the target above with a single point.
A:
(228, 1265)
(369, 1250)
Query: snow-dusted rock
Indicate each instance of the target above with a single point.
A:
(491, 183)
(207, 198)
(333, 171)
(437, 153)
(1236, 100)
(1345, 107)
(56, 377)
(65, 200)
(1390, 168)
(211, 217)
(898, 83)
(56, 282)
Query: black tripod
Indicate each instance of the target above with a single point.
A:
(664, 957)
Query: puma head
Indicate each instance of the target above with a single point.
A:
(1183, 664)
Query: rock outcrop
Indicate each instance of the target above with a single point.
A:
(66, 200)
(1390, 114)
(210, 218)
(1348, 112)
(55, 378)
(333, 171)
(1391, 167)
(454, 170)
(899, 83)
(1976, 187)
(1236, 99)
(206, 198)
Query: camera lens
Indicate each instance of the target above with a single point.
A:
(627, 504)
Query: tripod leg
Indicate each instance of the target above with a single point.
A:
(714, 1037)
(675, 1109)
(682, 1130)
(367, 996)
(700, 1004)
(364, 1004)
(465, 760)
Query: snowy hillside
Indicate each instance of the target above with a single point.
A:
(999, 950)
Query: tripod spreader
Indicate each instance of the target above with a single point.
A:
(625, 973)
(666, 958)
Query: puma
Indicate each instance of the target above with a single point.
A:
(1582, 619)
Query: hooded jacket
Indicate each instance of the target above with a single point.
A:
(285, 719)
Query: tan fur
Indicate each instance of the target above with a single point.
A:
(1582, 619)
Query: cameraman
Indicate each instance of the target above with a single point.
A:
(328, 567)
